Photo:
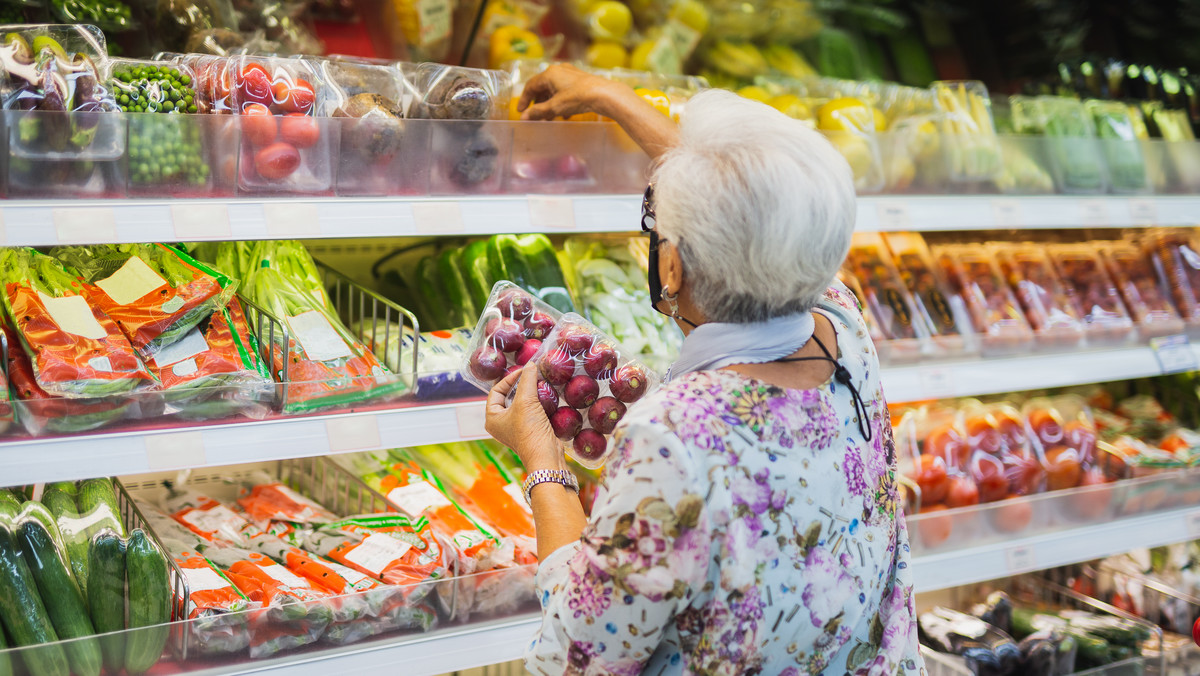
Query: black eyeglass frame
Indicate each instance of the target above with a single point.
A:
(649, 220)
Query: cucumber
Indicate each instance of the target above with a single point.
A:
(106, 596)
(68, 487)
(21, 610)
(66, 514)
(61, 596)
(95, 493)
(7, 498)
(449, 269)
(149, 603)
(477, 272)
(430, 286)
(5, 661)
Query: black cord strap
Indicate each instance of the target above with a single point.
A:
(842, 375)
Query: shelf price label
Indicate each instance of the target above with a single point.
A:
(1192, 523)
(1143, 211)
(1007, 213)
(551, 213)
(1174, 354)
(438, 218)
(470, 419)
(85, 225)
(937, 383)
(1020, 559)
(174, 450)
(353, 433)
(893, 215)
(287, 220)
(1093, 212)
(198, 221)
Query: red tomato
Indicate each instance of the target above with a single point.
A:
(988, 473)
(948, 443)
(1091, 502)
(934, 528)
(962, 493)
(1062, 468)
(982, 435)
(931, 477)
(1047, 427)
(1025, 474)
(1012, 515)
(258, 124)
(299, 130)
(277, 161)
(254, 85)
(1174, 444)
(1081, 437)
(297, 98)
(1011, 430)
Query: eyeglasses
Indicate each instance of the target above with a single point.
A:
(648, 218)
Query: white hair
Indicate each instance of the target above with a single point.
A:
(761, 206)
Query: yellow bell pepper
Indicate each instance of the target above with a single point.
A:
(510, 43)
(656, 98)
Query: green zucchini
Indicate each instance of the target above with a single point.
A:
(430, 286)
(66, 514)
(551, 284)
(449, 269)
(94, 494)
(61, 596)
(68, 487)
(22, 612)
(477, 272)
(9, 499)
(149, 603)
(106, 596)
(5, 661)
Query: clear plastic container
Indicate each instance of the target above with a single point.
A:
(1057, 322)
(1025, 166)
(974, 274)
(1119, 145)
(972, 152)
(945, 312)
(468, 157)
(454, 93)
(1070, 138)
(510, 331)
(1088, 284)
(913, 160)
(1141, 288)
(901, 322)
(564, 157)
(1176, 259)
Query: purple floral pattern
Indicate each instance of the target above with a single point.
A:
(741, 529)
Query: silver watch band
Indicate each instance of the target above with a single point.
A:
(542, 476)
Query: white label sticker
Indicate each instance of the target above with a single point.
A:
(351, 576)
(1020, 559)
(134, 280)
(85, 225)
(317, 336)
(471, 416)
(435, 16)
(514, 491)
(204, 579)
(191, 345)
(417, 497)
(101, 364)
(1174, 354)
(287, 220)
(551, 213)
(1008, 213)
(185, 368)
(284, 576)
(353, 433)
(1143, 211)
(73, 315)
(1093, 212)
(433, 218)
(893, 216)
(937, 383)
(377, 552)
(173, 450)
(197, 220)
(214, 520)
(682, 36)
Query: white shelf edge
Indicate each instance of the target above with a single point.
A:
(24, 461)
(52, 222)
(1023, 555)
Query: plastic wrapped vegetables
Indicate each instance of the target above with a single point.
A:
(76, 350)
(971, 147)
(156, 293)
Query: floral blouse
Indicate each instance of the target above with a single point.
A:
(743, 528)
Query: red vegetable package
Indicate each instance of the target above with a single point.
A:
(1177, 260)
(1088, 284)
(870, 263)
(208, 518)
(1062, 431)
(388, 547)
(974, 275)
(1055, 319)
(155, 293)
(265, 500)
(1141, 289)
(944, 311)
(215, 607)
(75, 349)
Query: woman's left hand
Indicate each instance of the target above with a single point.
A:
(523, 426)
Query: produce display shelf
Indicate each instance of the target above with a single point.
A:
(160, 447)
(47, 223)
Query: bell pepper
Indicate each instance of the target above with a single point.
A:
(510, 43)
(477, 272)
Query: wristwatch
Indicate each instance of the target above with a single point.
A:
(541, 476)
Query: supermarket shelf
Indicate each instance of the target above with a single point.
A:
(164, 449)
(1024, 555)
(46, 223)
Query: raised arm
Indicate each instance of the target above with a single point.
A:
(564, 90)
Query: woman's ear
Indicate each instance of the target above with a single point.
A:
(670, 268)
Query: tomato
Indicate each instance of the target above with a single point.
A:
(1062, 468)
(983, 435)
(946, 442)
(277, 161)
(962, 492)
(1012, 515)
(1081, 436)
(1025, 474)
(299, 130)
(258, 124)
(254, 85)
(297, 98)
(1174, 444)
(934, 528)
(1012, 431)
(1091, 502)
(989, 476)
(1047, 427)
(931, 477)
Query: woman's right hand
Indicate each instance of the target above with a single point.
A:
(562, 90)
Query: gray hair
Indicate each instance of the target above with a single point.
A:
(761, 206)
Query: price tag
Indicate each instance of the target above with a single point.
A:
(3, 232)
(893, 215)
(937, 383)
(174, 450)
(1020, 559)
(556, 213)
(287, 220)
(1174, 353)
(353, 433)
(470, 419)
(1093, 212)
(1143, 211)
(197, 220)
(1008, 213)
(85, 225)
(437, 218)
(1193, 525)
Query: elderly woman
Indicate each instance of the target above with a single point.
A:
(748, 521)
